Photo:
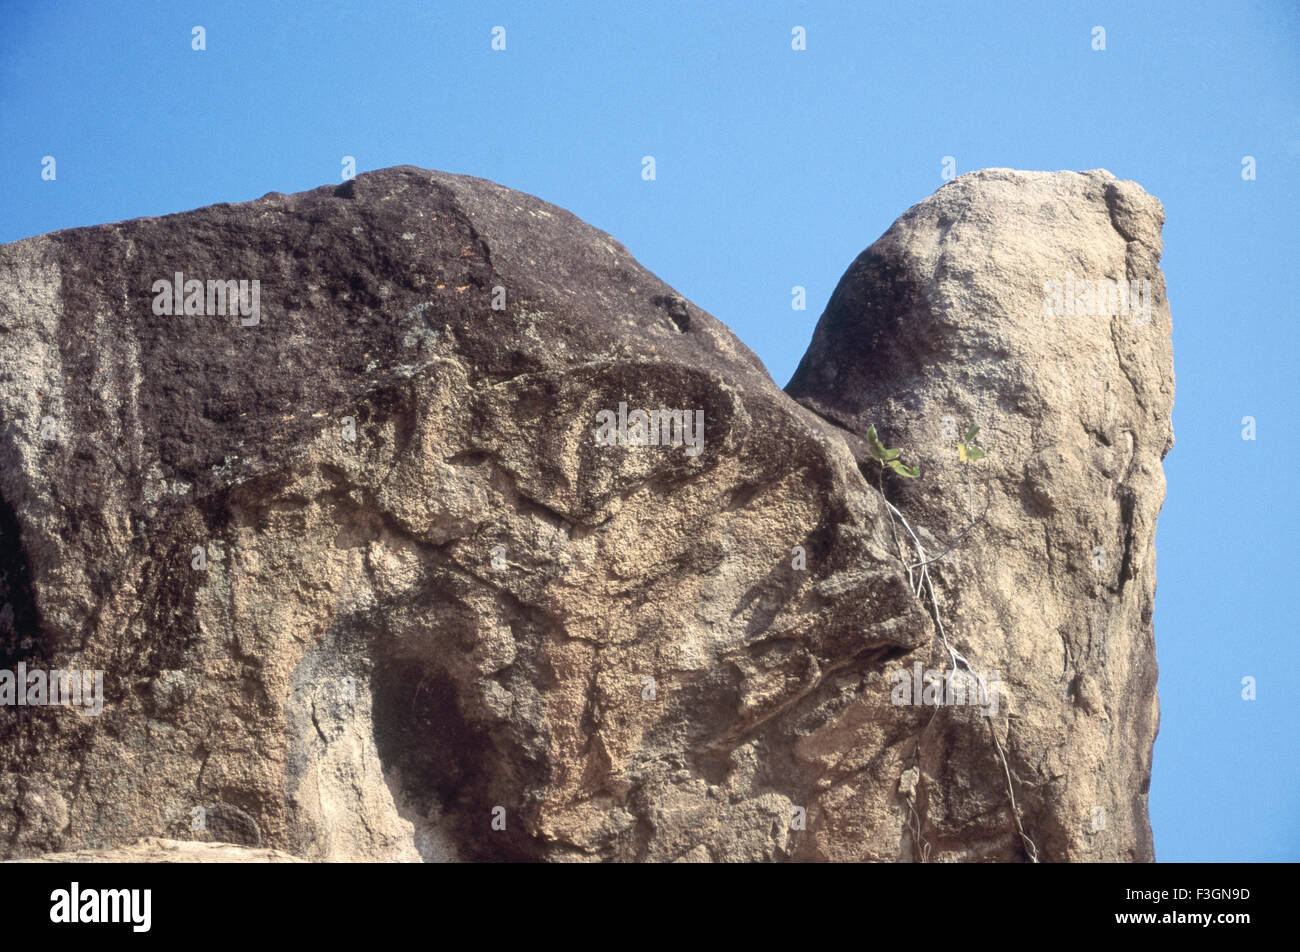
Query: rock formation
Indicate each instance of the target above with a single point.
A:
(373, 566)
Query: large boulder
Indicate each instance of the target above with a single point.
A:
(375, 569)
(1030, 304)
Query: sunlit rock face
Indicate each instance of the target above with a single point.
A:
(412, 519)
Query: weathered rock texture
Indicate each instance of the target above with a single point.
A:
(473, 615)
(943, 323)
(157, 850)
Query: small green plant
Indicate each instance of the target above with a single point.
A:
(969, 449)
(889, 457)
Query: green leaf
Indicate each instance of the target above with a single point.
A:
(969, 453)
(892, 454)
(972, 433)
(873, 443)
(911, 472)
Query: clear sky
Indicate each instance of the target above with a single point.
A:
(776, 168)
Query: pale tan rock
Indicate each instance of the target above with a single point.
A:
(943, 319)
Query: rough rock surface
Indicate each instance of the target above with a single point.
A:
(944, 321)
(436, 619)
(157, 850)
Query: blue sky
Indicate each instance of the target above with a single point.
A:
(776, 168)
